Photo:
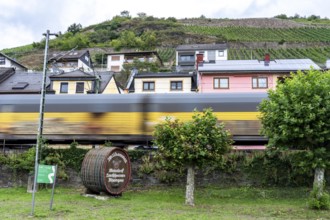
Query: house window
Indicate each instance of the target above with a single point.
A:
(211, 55)
(187, 58)
(115, 58)
(221, 53)
(221, 83)
(115, 68)
(2, 60)
(64, 87)
(148, 86)
(80, 87)
(259, 82)
(176, 85)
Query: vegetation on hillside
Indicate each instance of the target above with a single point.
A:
(318, 54)
(253, 34)
(315, 20)
(145, 32)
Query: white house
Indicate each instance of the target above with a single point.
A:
(6, 61)
(71, 61)
(116, 60)
(161, 83)
(186, 55)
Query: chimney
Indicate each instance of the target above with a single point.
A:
(267, 59)
(199, 60)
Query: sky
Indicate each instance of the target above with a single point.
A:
(23, 22)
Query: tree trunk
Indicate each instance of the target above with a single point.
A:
(318, 184)
(190, 185)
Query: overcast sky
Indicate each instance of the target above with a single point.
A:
(23, 21)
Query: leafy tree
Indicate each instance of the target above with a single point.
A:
(100, 58)
(74, 28)
(296, 116)
(140, 66)
(282, 16)
(142, 15)
(296, 16)
(127, 39)
(196, 143)
(171, 19)
(125, 14)
(102, 36)
(313, 17)
(149, 40)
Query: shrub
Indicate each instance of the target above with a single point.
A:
(321, 203)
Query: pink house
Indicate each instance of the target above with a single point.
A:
(247, 75)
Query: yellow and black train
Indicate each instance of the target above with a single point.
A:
(122, 118)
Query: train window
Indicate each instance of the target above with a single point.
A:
(64, 87)
(148, 86)
(221, 83)
(176, 85)
(259, 82)
(80, 87)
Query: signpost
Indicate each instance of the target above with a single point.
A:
(47, 174)
(41, 119)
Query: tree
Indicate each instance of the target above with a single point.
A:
(127, 39)
(296, 116)
(149, 40)
(140, 66)
(74, 28)
(313, 17)
(142, 15)
(125, 14)
(281, 16)
(192, 144)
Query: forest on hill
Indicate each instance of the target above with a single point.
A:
(281, 36)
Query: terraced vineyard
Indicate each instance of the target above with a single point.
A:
(166, 54)
(319, 55)
(251, 34)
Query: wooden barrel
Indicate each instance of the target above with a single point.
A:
(106, 170)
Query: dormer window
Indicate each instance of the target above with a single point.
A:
(20, 85)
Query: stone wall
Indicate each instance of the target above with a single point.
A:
(8, 178)
(238, 178)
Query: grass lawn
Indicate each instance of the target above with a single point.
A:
(163, 203)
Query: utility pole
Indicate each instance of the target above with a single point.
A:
(41, 118)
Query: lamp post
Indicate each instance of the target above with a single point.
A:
(41, 118)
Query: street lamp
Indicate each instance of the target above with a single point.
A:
(41, 117)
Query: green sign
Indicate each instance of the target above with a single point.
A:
(46, 174)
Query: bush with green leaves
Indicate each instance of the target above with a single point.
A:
(296, 116)
(196, 143)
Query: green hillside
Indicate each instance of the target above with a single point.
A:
(246, 38)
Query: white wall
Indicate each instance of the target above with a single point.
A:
(9, 63)
(162, 85)
(115, 62)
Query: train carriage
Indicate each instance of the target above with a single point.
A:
(122, 118)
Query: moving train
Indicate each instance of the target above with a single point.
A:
(122, 118)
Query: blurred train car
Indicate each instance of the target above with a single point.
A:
(123, 118)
